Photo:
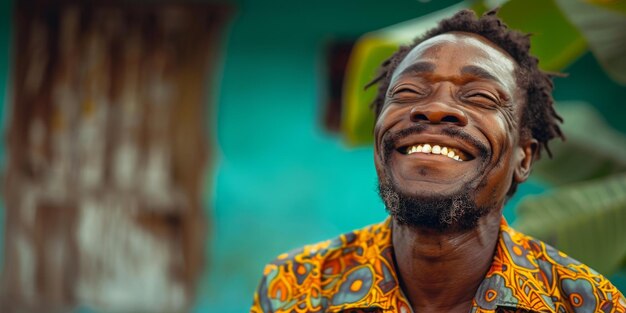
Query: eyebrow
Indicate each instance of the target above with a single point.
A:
(479, 72)
(419, 67)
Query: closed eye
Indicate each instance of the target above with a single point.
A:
(408, 91)
(481, 97)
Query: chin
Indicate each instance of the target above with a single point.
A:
(440, 209)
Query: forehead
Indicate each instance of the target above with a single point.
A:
(453, 51)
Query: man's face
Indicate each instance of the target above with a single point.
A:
(449, 126)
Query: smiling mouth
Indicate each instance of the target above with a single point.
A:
(425, 148)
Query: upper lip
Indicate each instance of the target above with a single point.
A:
(442, 140)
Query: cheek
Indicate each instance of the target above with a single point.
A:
(378, 133)
(503, 130)
(390, 116)
(379, 124)
(510, 119)
(380, 127)
(503, 140)
(504, 137)
(498, 175)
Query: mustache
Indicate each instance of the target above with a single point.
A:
(390, 139)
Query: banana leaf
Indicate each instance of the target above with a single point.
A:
(603, 26)
(592, 149)
(585, 220)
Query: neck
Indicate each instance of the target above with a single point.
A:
(441, 271)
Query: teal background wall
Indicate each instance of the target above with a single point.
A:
(280, 180)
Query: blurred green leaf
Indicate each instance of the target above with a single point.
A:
(584, 220)
(604, 30)
(592, 149)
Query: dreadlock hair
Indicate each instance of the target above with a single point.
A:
(539, 119)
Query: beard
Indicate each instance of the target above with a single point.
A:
(452, 212)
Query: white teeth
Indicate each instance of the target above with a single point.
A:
(435, 149)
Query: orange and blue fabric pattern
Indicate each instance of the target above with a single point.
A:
(355, 273)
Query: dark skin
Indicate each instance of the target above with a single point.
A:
(464, 82)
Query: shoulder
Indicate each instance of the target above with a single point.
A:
(572, 285)
(351, 245)
(305, 275)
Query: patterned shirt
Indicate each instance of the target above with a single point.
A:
(355, 273)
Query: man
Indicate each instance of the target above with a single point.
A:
(461, 116)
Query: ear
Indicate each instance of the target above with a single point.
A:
(524, 158)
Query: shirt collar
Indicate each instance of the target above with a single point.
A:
(511, 282)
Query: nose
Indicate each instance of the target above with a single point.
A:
(438, 113)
